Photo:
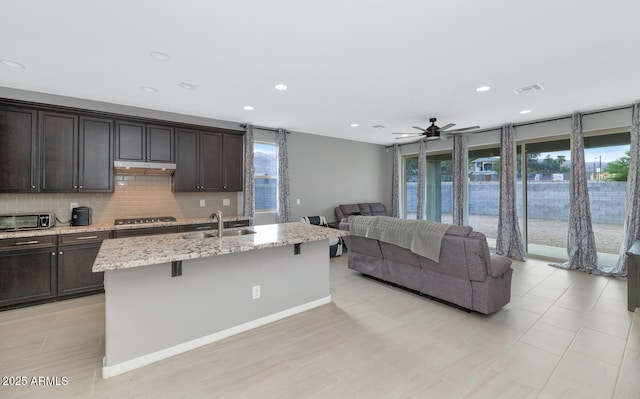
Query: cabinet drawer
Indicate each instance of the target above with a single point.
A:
(28, 242)
(198, 227)
(145, 231)
(84, 238)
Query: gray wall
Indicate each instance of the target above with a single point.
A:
(325, 172)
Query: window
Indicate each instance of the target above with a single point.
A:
(484, 192)
(265, 164)
(547, 179)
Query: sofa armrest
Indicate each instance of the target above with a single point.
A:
(498, 265)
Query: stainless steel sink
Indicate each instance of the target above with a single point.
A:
(240, 232)
(197, 236)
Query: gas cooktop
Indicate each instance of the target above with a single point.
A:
(159, 219)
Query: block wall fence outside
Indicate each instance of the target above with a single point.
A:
(133, 196)
(548, 200)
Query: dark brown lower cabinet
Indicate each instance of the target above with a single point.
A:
(76, 254)
(27, 270)
(147, 231)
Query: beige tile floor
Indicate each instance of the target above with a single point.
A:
(564, 335)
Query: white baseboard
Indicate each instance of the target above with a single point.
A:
(120, 368)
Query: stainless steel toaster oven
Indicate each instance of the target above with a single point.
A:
(27, 221)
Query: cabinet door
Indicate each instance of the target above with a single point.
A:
(130, 141)
(210, 161)
(74, 269)
(233, 169)
(18, 146)
(58, 152)
(186, 176)
(27, 275)
(95, 166)
(159, 144)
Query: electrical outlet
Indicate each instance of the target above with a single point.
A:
(202, 203)
(255, 292)
(226, 202)
(298, 201)
(73, 205)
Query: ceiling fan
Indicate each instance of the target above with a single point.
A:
(434, 131)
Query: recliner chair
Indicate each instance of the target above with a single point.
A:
(335, 244)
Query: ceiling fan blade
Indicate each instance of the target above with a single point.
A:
(419, 128)
(407, 137)
(447, 126)
(413, 134)
(464, 129)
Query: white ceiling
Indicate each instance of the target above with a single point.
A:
(371, 62)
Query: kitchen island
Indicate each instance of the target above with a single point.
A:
(171, 293)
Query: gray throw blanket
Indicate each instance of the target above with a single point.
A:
(422, 237)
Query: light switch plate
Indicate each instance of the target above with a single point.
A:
(226, 202)
(202, 202)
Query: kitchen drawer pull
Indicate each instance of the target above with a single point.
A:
(204, 228)
(87, 238)
(27, 242)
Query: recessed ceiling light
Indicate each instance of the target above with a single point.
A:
(149, 89)
(160, 56)
(12, 64)
(188, 85)
(354, 125)
(525, 111)
(483, 88)
(281, 87)
(248, 108)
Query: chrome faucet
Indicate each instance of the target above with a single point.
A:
(218, 216)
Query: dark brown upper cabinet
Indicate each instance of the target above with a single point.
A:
(18, 150)
(233, 165)
(76, 153)
(95, 158)
(144, 142)
(208, 161)
(58, 152)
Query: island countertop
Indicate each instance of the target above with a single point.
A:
(124, 253)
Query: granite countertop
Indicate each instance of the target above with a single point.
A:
(124, 253)
(109, 226)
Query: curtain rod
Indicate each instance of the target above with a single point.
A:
(271, 129)
(551, 119)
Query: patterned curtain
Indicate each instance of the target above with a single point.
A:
(395, 190)
(509, 240)
(632, 213)
(284, 210)
(422, 168)
(581, 243)
(460, 178)
(249, 192)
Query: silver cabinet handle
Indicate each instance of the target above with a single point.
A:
(87, 238)
(204, 228)
(27, 242)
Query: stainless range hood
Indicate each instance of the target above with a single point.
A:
(144, 168)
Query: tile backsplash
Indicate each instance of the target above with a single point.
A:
(134, 196)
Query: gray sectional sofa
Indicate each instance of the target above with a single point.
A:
(345, 212)
(465, 274)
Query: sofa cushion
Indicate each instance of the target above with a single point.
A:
(349, 209)
(364, 209)
(377, 209)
